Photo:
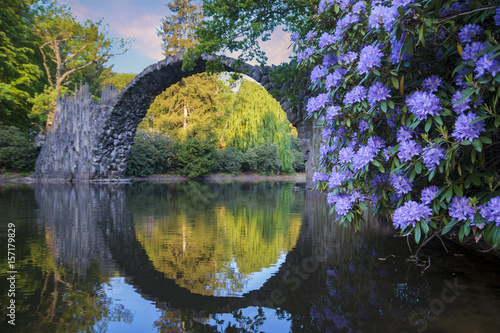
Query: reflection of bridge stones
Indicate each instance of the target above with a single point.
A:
(89, 222)
(90, 141)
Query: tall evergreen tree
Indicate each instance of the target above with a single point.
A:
(177, 30)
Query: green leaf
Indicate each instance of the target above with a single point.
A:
(417, 233)
(438, 120)
(458, 190)
(395, 82)
(478, 145)
(448, 227)
(421, 37)
(428, 125)
(424, 226)
(448, 194)
(383, 106)
(485, 139)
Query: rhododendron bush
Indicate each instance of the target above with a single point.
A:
(407, 99)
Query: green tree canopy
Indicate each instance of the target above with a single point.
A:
(19, 72)
(68, 47)
(177, 31)
(239, 25)
(189, 108)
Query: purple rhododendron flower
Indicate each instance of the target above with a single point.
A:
(363, 125)
(404, 133)
(357, 94)
(318, 73)
(346, 154)
(428, 194)
(336, 179)
(327, 132)
(319, 176)
(378, 92)
(327, 39)
(348, 57)
(358, 7)
(294, 37)
(332, 112)
(311, 35)
(468, 32)
(396, 48)
(497, 16)
(460, 209)
(369, 58)
(408, 149)
(401, 184)
(464, 130)
(432, 157)
(432, 83)
(306, 54)
(471, 50)
(410, 213)
(491, 211)
(485, 64)
(329, 59)
(460, 107)
(423, 104)
(401, 3)
(363, 156)
(350, 18)
(342, 203)
(383, 16)
(333, 80)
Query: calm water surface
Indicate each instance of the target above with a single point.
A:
(200, 257)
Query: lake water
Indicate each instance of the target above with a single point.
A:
(207, 257)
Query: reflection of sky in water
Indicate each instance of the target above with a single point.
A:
(271, 323)
(253, 281)
(144, 312)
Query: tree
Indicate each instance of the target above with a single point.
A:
(117, 80)
(19, 73)
(68, 46)
(189, 108)
(239, 25)
(195, 158)
(177, 30)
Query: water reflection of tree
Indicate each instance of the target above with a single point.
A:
(50, 295)
(211, 243)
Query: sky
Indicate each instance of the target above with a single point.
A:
(140, 19)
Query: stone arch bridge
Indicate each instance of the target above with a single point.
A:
(91, 141)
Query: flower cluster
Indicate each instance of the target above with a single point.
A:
(410, 213)
(428, 88)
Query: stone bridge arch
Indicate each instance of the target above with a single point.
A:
(91, 141)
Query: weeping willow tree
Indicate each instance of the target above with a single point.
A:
(257, 119)
(189, 109)
(210, 108)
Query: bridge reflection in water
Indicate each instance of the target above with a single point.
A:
(209, 254)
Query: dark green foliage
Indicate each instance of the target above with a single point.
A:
(230, 161)
(17, 152)
(19, 71)
(298, 163)
(241, 26)
(152, 153)
(263, 159)
(195, 158)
